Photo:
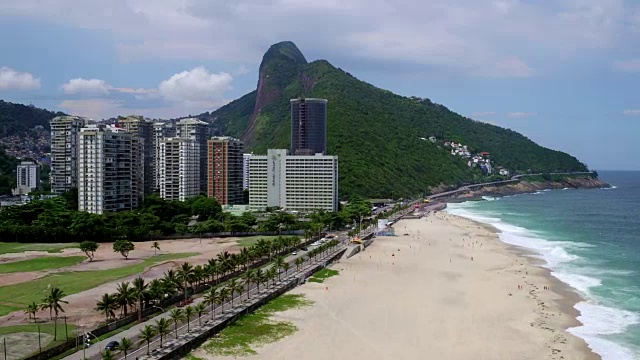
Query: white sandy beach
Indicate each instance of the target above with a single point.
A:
(423, 297)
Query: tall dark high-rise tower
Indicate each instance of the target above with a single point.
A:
(308, 126)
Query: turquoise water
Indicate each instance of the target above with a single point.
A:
(590, 239)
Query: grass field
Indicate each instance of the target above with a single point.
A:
(256, 329)
(17, 296)
(320, 275)
(22, 340)
(252, 240)
(12, 247)
(43, 263)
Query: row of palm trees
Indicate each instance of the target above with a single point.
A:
(219, 296)
(51, 302)
(139, 294)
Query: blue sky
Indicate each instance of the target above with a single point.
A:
(564, 73)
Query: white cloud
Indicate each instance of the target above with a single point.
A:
(627, 65)
(87, 86)
(11, 79)
(483, 113)
(519, 115)
(476, 37)
(632, 112)
(195, 85)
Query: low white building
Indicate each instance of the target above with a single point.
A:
(179, 168)
(293, 183)
(27, 177)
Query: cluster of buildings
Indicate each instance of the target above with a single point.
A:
(114, 166)
(32, 146)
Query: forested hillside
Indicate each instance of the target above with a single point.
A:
(18, 118)
(7, 172)
(375, 133)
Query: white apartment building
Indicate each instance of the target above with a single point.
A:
(106, 170)
(65, 131)
(293, 182)
(161, 131)
(193, 128)
(179, 168)
(27, 177)
(245, 171)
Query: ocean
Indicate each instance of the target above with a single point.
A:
(589, 239)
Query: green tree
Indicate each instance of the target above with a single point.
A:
(125, 346)
(188, 314)
(32, 310)
(211, 297)
(89, 248)
(176, 316)
(145, 335)
(125, 296)
(107, 305)
(248, 278)
(200, 309)
(124, 247)
(156, 247)
(139, 290)
(52, 302)
(107, 355)
(205, 208)
(162, 328)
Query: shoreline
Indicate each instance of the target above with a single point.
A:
(449, 290)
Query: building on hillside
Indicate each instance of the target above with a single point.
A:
(245, 171)
(503, 172)
(225, 170)
(65, 131)
(293, 183)
(106, 170)
(179, 168)
(192, 128)
(160, 131)
(308, 126)
(27, 177)
(141, 131)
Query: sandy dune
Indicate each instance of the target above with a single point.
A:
(449, 290)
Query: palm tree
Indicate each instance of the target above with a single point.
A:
(259, 278)
(211, 297)
(176, 316)
(188, 313)
(125, 296)
(124, 346)
(146, 335)
(31, 310)
(200, 308)
(156, 247)
(139, 289)
(162, 328)
(52, 302)
(299, 261)
(272, 273)
(285, 267)
(186, 275)
(198, 274)
(223, 296)
(233, 286)
(248, 278)
(107, 355)
(107, 305)
(279, 263)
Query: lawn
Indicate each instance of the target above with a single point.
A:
(43, 263)
(252, 240)
(17, 296)
(14, 247)
(320, 275)
(253, 330)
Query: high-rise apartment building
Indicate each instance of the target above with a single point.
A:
(308, 126)
(106, 169)
(65, 132)
(192, 128)
(293, 183)
(179, 168)
(161, 131)
(142, 152)
(225, 170)
(27, 177)
(245, 171)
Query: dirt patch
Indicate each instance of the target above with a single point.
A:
(25, 255)
(15, 278)
(22, 344)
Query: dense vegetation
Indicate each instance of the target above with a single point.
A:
(58, 220)
(375, 133)
(20, 119)
(7, 172)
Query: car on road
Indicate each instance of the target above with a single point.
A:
(112, 345)
(185, 302)
(294, 253)
(304, 249)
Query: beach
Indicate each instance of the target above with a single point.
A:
(447, 290)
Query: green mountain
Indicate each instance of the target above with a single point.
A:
(376, 134)
(18, 119)
(7, 172)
